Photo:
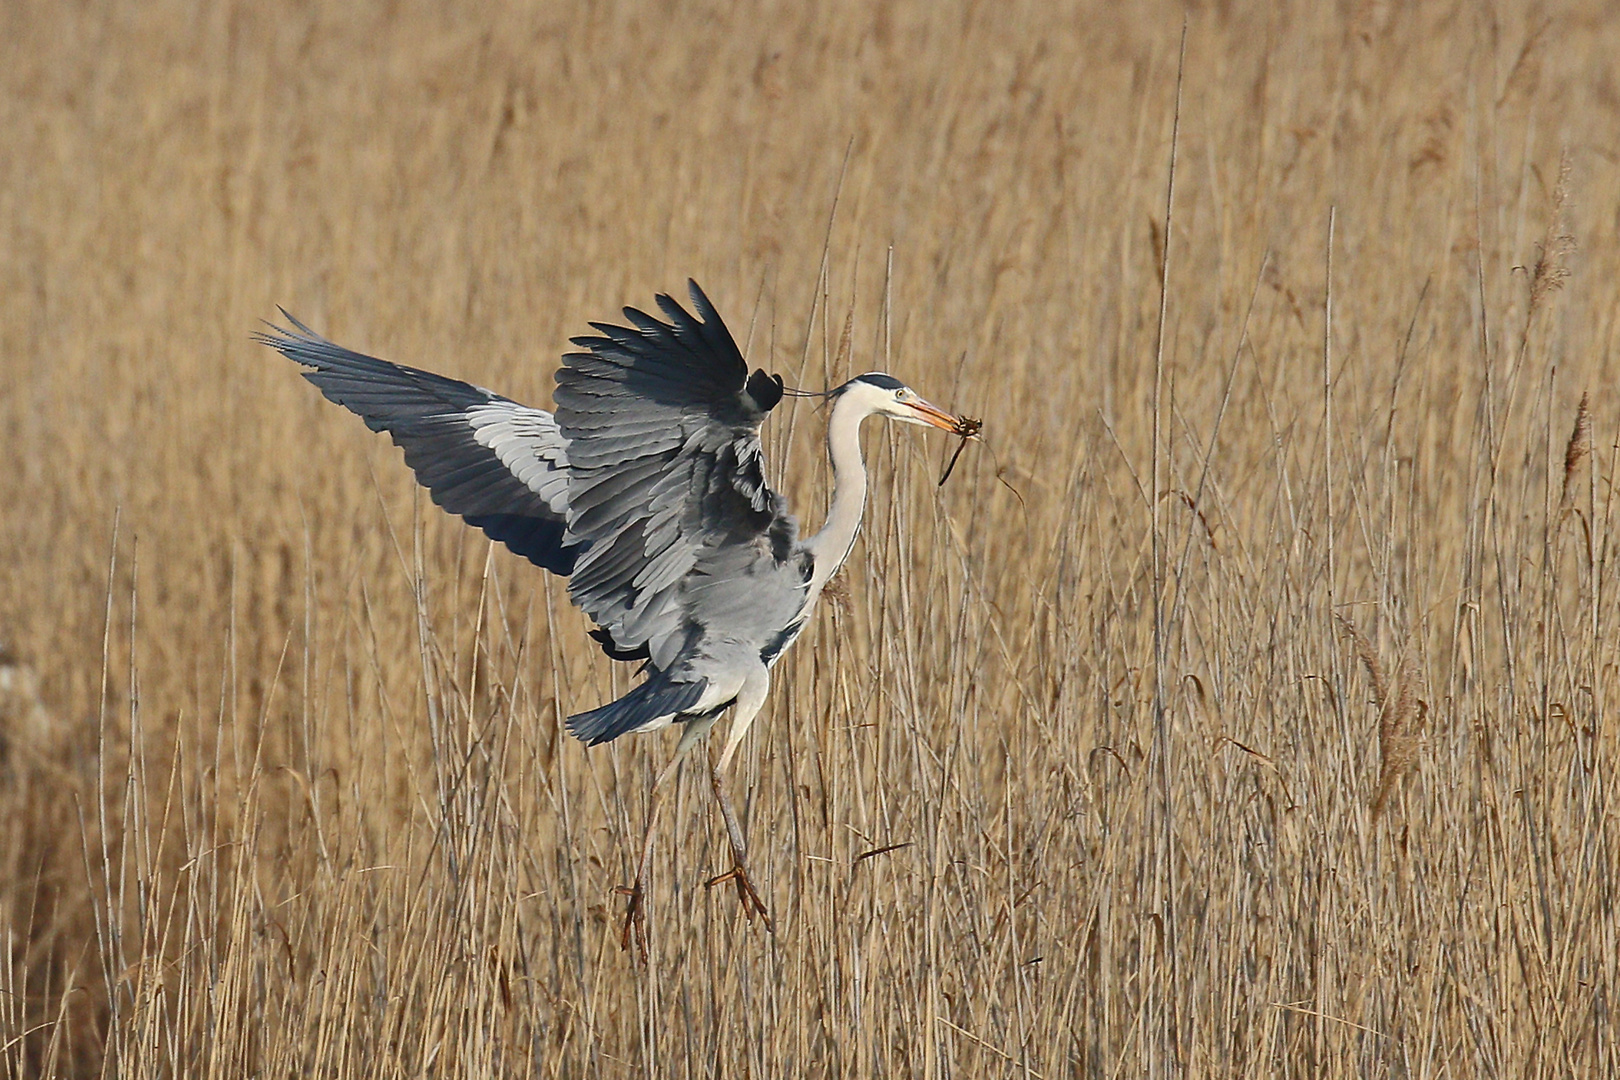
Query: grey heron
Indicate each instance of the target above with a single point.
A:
(647, 490)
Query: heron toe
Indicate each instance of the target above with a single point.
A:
(635, 919)
(747, 895)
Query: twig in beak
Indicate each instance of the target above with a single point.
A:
(967, 427)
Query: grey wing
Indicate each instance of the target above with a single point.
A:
(685, 547)
(501, 466)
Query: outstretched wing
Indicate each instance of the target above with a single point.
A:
(681, 538)
(500, 465)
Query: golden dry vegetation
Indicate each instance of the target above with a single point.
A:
(1245, 707)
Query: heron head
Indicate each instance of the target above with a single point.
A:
(877, 392)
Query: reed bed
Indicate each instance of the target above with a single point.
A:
(1244, 706)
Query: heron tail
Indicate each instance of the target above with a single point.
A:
(657, 698)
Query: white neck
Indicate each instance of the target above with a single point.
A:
(830, 546)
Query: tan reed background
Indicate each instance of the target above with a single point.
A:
(282, 788)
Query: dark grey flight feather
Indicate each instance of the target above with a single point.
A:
(500, 465)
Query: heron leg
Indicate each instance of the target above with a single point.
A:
(749, 702)
(635, 915)
(746, 893)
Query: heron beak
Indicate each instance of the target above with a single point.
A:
(935, 416)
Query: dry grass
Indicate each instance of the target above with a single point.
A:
(282, 789)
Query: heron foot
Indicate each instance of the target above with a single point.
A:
(746, 893)
(635, 919)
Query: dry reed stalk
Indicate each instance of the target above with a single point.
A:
(1576, 450)
(1551, 269)
(1400, 732)
(363, 860)
(1400, 715)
